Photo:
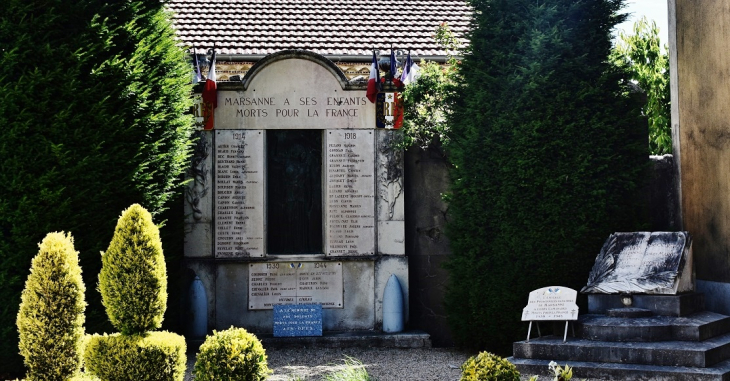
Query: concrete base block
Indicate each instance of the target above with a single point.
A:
(232, 300)
(718, 296)
(665, 305)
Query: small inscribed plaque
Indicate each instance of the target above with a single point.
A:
(275, 283)
(551, 303)
(643, 262)
(297, 320)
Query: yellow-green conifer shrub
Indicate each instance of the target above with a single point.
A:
(488, 367)
(154, 356)
(51, 316)
(133, 280)
(233, 354)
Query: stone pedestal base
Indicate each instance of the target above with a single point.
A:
(679, 341)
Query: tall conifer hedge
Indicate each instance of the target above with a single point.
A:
(548, 152)
(93, 103)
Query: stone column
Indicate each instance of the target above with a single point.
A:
(700, 62)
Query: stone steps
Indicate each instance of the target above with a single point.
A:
(698, 326)
(627, 372)
(663, 353)
(652, 337)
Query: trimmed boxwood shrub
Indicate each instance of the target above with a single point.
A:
(233, 354)
(51, 317)
(488, 367)
(133, 282)
(154, 356)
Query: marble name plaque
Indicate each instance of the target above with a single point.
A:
(350, 193)
(239, 194)
(277, 283)
(297, 320)
(643, 263)
(551, 303)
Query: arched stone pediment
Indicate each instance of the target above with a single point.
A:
(285, 59)
(294, 89)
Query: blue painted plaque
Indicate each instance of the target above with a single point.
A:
(292, 320)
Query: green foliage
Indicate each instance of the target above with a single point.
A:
(51, 317)
(548, 152)
(561, 374)
(133, 281)
(642, 56)
(84, 377)
(425, 107)
(233, 354)
(93, 99)
(488, 367)
(354, 370)
(154, 356)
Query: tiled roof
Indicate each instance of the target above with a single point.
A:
(327, 27)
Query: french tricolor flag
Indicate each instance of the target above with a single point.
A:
(373, 81)
(210, 96)
(410, 71)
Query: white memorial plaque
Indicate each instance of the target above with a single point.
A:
(239, 193)
(274, 283)
(551, 303)
(350, 193)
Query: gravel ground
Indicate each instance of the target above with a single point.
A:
(384, 364)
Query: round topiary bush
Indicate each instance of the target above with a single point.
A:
(51, 317)
(233, 354)
(154, 356)
(133, 281)
(488, 367)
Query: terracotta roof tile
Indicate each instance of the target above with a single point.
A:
(352, 27)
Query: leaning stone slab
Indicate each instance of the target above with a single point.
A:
(643, 263)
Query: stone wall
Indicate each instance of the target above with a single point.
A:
(663, 196)
(426, 244)
(428, 248)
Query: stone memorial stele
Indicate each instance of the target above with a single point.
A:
(297, 320)
(643, 263)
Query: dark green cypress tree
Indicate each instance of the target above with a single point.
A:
(548, 152)
(93, 103)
